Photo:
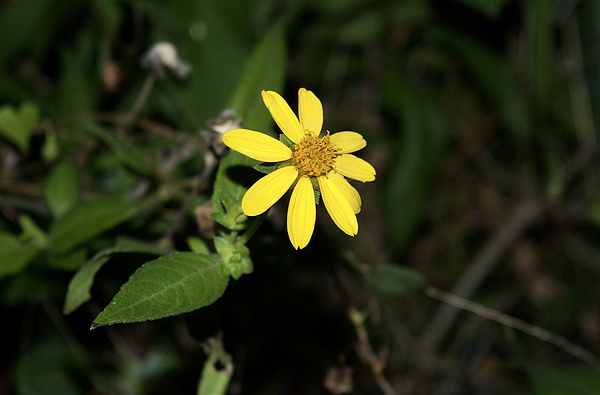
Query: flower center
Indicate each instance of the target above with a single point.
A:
(313, 156)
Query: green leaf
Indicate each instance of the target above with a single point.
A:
(216, 45)
(87, 221)
(50, 148)
(18, 126)
(418, 154)
(227, 190)
(78, 291)
(264, 71)
(582, 380)
(69, 262)
(31, 233)
(265, 168)
(14, 256)
(490, 8)
(285, 140)
(77, 91)
(215, 380)
(235, 257)
(197, 245)
(166, 286)
(495, 77)
(129, 154)
(62, 188)
(394, 280)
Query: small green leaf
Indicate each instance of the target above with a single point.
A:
(69, 262)
(31, 233)
(417, 156)
(581, 380)
(129, 154)
(265, 168)
(173, 284)
(215, 380)
(78, 291)
(62, 188)
(14, 256)
(285, 140)
(220, 218)
(18, 126)
(227, 189)
(50, 148)
(394, 280)
(197, 245)
(222, 245)
(87, 221)
(235, 257)
(79, 287)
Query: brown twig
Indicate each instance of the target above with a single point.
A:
(524, 215)
(140, 100)
(376, 362)
(501, 318)
(145, 124)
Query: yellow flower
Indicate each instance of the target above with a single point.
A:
(327, 159)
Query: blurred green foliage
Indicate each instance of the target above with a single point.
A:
(469, 107)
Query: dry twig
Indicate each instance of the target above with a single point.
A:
(515, 323)
(524, 215)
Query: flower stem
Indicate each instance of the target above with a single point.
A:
(243, 239)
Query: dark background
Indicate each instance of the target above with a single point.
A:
(481, 118)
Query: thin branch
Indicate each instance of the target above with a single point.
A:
(524, 215)
(376, 362)
(140, 100)
(515, 323)
(145, 124)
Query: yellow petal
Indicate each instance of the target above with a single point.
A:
(338, 206)
(352, 167)
(257, 145)
(310, 111)
(302, 213)
(283, 115)
(347, 190)
(268, 190)
(347, 142)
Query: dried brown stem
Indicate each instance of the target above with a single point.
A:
(377, 362)
(501, 318)
(524, 215)
(139, 101)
